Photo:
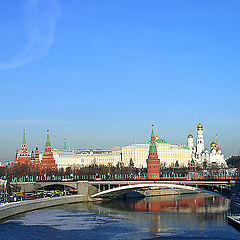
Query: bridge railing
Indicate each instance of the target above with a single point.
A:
(87, 177)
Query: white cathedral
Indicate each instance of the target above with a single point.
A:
(202, 156)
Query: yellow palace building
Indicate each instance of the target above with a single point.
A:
(169, 154)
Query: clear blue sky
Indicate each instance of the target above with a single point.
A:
(99, 73)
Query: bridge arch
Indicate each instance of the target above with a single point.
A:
(114, 192)
(56, 185)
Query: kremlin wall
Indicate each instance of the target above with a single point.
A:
(168, 155)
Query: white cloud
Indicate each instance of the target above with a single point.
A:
(40, 21)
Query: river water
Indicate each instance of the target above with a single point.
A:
(193, 216)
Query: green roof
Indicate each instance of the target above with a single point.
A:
(160, 140)
(152, 132)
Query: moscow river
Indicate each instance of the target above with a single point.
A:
(191, 216)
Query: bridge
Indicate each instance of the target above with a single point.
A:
(116, 192)
(111, 189)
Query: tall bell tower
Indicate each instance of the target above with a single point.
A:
(200, 139)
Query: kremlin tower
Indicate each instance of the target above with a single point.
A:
(36, 161)
(33, 159)
(23, 157)
(48, 161)
(153, 162)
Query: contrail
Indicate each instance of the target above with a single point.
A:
(40, 21)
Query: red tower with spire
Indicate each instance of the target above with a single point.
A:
(48, 161)
(153, 162)
(23, 157)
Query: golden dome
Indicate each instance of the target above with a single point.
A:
(213, 144)
(199, 125)
(157, 137)
(190, 136)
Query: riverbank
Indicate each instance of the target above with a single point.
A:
(11, 209)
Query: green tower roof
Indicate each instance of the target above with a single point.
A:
(152, 132)
(24, 138)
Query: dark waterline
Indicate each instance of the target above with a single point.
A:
(198, 216)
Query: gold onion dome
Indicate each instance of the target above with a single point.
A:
(213, 144)
(199, 125)
(157, 137)
(190, 136)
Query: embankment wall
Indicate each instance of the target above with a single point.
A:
(12, 209)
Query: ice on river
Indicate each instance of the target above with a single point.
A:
(65, 220)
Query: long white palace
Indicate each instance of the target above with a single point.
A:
(171, 155)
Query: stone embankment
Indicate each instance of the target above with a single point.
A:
(11, 209)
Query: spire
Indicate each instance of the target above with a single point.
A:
(65, 145)
(156, 129)
(217, 142)
(152, 135)
(152, 143)
(48, 139)
(24, 138)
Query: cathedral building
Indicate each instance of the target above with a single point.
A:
(203, 156)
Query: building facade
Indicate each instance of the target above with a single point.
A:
(86, 157)
(170, 155)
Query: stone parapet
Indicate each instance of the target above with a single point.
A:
(11, 209)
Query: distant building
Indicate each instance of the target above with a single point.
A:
(201, 155)
(85, 157)
(116, 149)
(170, 155)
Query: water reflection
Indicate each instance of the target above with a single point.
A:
(173, 217)
(183, 204)
(175, 212)
(191, 203)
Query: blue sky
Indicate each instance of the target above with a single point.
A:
(99, 73)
